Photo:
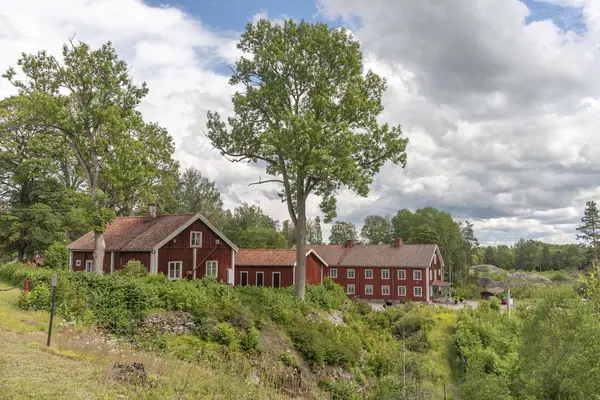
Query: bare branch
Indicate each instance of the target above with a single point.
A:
(260, 181)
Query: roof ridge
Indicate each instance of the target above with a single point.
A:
(269, 249)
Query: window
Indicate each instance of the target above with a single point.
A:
(244, 278)
(418, 291)
(276, 282)
(195, 239)
(434, 258)
(350, 288)
(78, 263)
(385, 290)
(211, 268)
(430, 274)
(89, 265)
(175, 268)
(385, 274)
(368, 290)
(350, 274)
(402, 291)
(333, 273)
(417, 275)
(368, 274)
(260, 279)
(401, 274)
(435, 274)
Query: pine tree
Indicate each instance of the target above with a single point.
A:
(590, 229)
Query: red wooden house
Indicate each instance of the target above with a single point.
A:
(179, 246)
(275, 267)
(385, 272)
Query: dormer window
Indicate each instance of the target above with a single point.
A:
(195, 239)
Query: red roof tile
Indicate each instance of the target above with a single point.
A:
(134, 233)
(376, 255)
(266, 257)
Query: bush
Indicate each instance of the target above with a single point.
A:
(251, 339)
(133, 269)
(340, 390)
(288, 359)
(469, 291)
(56, 257)
(559, 277)
(39, 298)
(225, 334)
(329, 295)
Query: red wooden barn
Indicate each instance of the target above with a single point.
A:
(179, 246)
(275, 267)
(385, 272)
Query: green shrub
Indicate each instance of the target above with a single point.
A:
(340, 390)
(56, 257)
(39, 298)
(133, 269)
(225, 334)
(469, 291)
(329, 295)
(251, 339)
(288, 359)
(559, 277)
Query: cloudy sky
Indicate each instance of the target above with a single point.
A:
(500, 99)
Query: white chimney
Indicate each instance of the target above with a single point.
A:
(152, 210)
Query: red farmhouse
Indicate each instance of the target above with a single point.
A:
(275, 267)
(385, 272)
(179, 246)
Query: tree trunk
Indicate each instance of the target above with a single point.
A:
(99, 245)
(300, 247)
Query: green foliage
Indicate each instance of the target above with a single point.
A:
(589, 230)
(327, 295)
(261, 238)
(467, 291)
(225, 334)
(340, 390)
(288, 359)
(314, 234)
(341, 232)
(376, 229)
(134, 268)
(56, 257)
(250, 340)
(305, 82)
(40, 298)
(197, 194)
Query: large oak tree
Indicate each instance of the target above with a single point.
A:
(88, 100)
(307, 112)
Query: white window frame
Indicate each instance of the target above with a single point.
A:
(247, 278)
(368, 288)
(78, 263)
(400, 292)
(333, 273)
(198, 234)
(385, 272)
(401, 274)
(175, 264)
(210, 264)
(384, 289)
(89, 265)
(434, 274)
(348, 286)
(348, 274)
(368, 274)
(263, 278)
(417, 272)
(434, 258)
(420, 290)
(273, 279)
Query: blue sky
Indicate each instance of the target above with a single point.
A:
(233, 14)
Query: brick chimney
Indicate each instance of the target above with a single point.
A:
(152, 210)
(350, 243)
(398, 242)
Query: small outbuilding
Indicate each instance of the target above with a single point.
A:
(491, 292)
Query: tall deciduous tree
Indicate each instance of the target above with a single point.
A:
(198, 194)
(310, 114)
(88, 99)
(314, 234)
(589, 231)
(377, 229)
(341, 232)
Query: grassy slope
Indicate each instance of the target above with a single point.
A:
(35, 372)
(443, 356)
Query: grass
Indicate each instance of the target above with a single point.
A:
(78, 366)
